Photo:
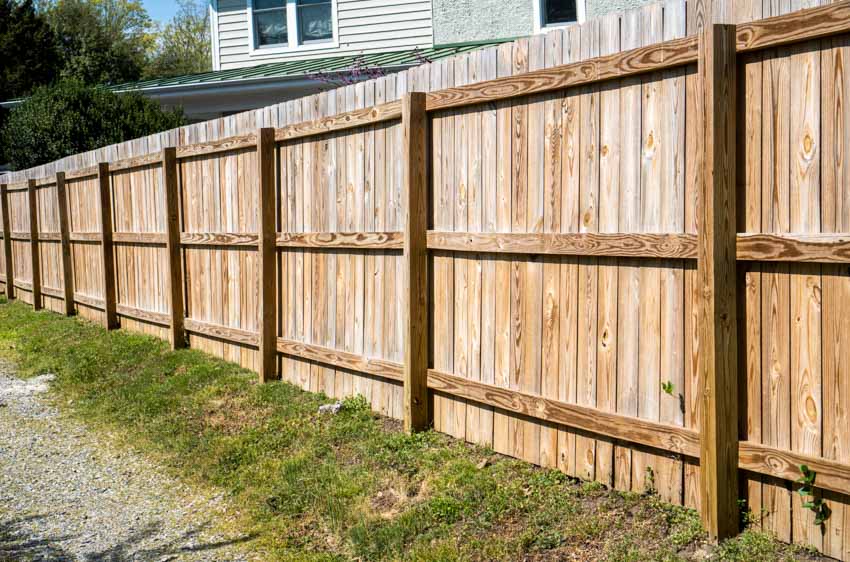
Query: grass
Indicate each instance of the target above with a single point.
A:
(349, 486)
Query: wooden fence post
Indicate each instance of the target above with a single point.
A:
(175, 266)
(108, 256)
(267, 246)
(35, 258)
(417, 415)
(65, 237)
(7, 244)
(716, 269)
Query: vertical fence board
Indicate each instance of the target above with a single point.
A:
(716, 270)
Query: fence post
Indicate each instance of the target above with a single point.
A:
(7, 244)
(175, 266)
(108, 256)
(267, 248)
(716, 269)
(34, 249)
(417, 415)
(65, 237)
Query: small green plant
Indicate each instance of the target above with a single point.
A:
(649, 485)
(667, 387)
(806, 491)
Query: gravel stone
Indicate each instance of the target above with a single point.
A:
(66, 494)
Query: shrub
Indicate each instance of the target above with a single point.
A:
(68, 118)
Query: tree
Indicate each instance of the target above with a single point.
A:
(183, 47)
(101, 41)
(70, 117)
(28, 55)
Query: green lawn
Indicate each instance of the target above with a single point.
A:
(350, 486)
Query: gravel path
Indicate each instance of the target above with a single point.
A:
(65, 495)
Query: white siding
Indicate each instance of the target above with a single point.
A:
(365, 26)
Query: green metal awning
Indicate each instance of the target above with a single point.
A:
(304, 68)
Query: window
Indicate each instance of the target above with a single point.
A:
(270, 26)
(314, 21)
(291, 23)
(556, 12)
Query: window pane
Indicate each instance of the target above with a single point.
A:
(314, 20)
(560, 11)
(271, 27)
(265, 4)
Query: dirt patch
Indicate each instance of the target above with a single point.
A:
(233, 415)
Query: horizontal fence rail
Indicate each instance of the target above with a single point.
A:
(275, 271)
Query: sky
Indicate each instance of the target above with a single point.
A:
(161, 10)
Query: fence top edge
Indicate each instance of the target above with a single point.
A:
(795, 27)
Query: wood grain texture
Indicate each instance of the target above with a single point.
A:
(716, 268)
(147, 238)
(106, 249)
(592, 420)
(342, 240)
(574, 244)
(816, 248)
(64, 231)
(267, 257)
(342, 359)
(235, 335)
(340, 122)
(227, 144)
(633, 62)
(145, 315)
(417, 415)
(9, 270)
(35, 259)
(796, 27)
(219, 239)
(176, 303)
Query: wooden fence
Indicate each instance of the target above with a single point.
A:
(525, 257)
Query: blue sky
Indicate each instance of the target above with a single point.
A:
(160, 10)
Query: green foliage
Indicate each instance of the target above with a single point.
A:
(183, 47)
(810, 501)
(28, 56)
(667, 387)
(101, 41)
(69, 118)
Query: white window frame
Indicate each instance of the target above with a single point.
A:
(292, 45)
(540, 27)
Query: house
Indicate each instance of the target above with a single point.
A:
(268, 51)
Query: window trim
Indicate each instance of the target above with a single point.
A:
(292, 45)
(540, 27)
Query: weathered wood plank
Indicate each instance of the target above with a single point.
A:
(145, 315)
(174, 290)
(342, 240)
(235, 335)
(652, 434)
(146, 238)
(716, 272)
(227, 144)
(795, 27)
(106, 249)
(267, 258)
(342, 359)
(633, 62)
(341, 121)
(417, 415)
(641, 245)
(34, 248)
(219, 239)
(820, 248)
(7, 243)
(64, 230)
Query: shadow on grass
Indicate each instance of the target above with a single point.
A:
(16, 544)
